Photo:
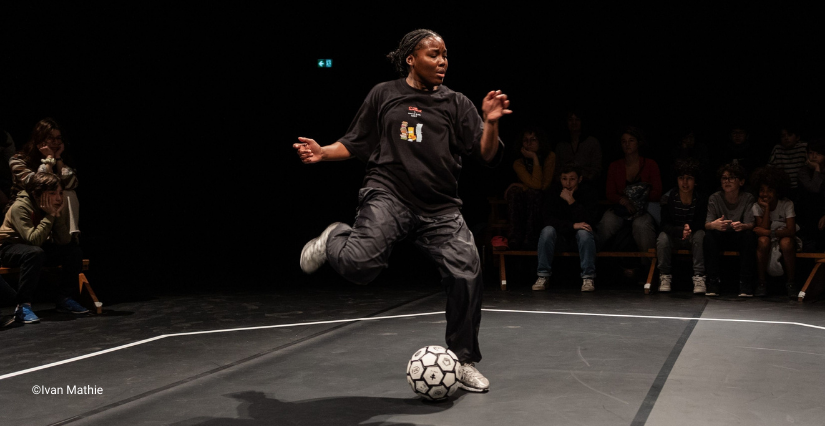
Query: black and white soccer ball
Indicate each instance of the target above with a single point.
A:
(432, 371)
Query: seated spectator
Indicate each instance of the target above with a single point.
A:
(683, 226)
(811, 205)
(631, 183)
(534, 170)
(581, 149)
(729, 226)
(35, 233)
(789, 155)
(738, 150)
(570, 209)
(775, 225)
(689, 148)
(44, 153)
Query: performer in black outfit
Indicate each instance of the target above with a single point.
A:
(412, 133)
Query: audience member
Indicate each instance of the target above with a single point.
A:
(631, 183)
(775, 225)
(738, 150)
(689, 148)
(729, 226)
(35, 233)
(811, 205)
(581, 149)
(534, 170)
(44, 153)
(683, 210)
(570, 210)
(789, 155)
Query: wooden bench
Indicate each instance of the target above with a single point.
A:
(819, 257)
(88, 298)
(503, 272)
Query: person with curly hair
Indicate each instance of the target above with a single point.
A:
(534, 170)
(776, 228)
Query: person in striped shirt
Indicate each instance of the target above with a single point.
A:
(790, 155)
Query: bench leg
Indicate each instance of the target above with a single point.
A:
(502, 273)
(808, 281)
(648, 284)
(88, 298)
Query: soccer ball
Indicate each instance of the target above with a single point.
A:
(432, 371)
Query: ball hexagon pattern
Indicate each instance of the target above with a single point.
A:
(431, 373)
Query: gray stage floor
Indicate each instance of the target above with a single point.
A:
(556, 357)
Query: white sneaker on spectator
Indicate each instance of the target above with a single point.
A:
(470, 379)
(540, 283)
(587, 284)
(314, 253)
(664, 282)
(699, 284)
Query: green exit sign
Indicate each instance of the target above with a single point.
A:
(325, 63)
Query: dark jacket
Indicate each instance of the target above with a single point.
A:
(674, 229)
(561, 215)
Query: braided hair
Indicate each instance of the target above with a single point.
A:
(408, 45)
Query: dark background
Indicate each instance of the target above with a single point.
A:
(181, 118)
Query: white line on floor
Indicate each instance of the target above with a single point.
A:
(263, 327)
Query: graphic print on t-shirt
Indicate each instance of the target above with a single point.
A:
(412, 134)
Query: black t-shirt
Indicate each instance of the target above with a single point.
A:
(412, 141)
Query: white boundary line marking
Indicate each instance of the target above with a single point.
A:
(301, 324)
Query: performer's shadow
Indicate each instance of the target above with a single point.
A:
(257, 409)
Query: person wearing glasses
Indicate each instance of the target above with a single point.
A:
(729, 226)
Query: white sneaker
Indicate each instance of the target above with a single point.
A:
(314, 253)
(664, 282)
(539, 285)
(587, 284)
(699, 284)
(470, 379)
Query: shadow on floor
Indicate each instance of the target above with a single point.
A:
(257, 409)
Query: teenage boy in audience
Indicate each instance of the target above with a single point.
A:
(570, 210)
(729, 226)
(35, 233)
(683, 213)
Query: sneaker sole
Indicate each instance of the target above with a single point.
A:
(69, 311)
(472, 389)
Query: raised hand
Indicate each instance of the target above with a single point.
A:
(308, 150)
(495, 105)
(567, 195)
(45, 150)
(59, 151)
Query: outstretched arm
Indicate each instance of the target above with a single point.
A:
(310, 152)
(494, 106)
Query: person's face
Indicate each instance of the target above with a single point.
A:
(574, 123)
(767, 194)
(55, 198)
(54, 139)
(630, 145)
(816, 157)
(570, 181)
(788, 140)
(730, 183)
(738, 136)
(530, 142)
(428, 63)
(686, 184)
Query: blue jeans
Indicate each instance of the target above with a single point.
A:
(547, 247)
